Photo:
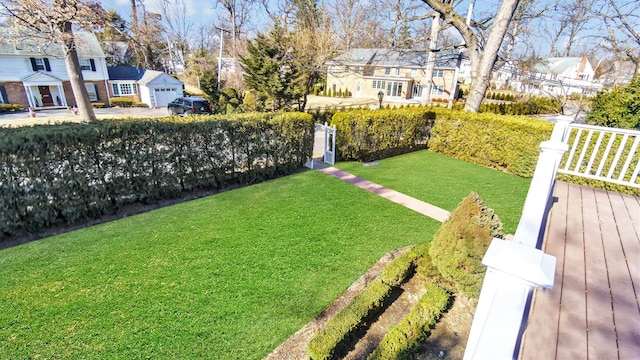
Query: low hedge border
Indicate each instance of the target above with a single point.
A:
(402, 340)
(338, 332)
(10, 108)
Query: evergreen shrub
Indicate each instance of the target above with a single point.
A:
(10, 108)
(121, 101)
(331, 341)
(365, 135)
(62, 174)
(98, 105)
(461, 242)
(507, 143)
(402, 340)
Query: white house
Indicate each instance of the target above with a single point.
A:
(151, 87)
(33, 73)
(561, 76)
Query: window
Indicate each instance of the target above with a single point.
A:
(387, 71)
(397, 71)
(120, 89)
(437, 90)
(356, 70)
(417, 90)
(85, 64)
(394, 88)
(378, 84)
(39, 64)
(438, 73)
(92, 91)
(414, 72)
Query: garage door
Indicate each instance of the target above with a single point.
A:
(165, 96)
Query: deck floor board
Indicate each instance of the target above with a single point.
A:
(593, 310)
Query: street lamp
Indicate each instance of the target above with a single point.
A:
(380, 97)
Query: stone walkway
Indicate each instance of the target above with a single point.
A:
(398, 198)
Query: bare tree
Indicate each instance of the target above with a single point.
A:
(178, 28)
(622, 20)
(566, 22)
(482, 58)
(234, 18)
(349, 18)
(54, 21)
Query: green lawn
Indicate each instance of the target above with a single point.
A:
(444, 181)
(229, 276)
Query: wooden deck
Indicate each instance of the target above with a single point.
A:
(593, 310)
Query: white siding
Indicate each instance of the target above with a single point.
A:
(16, 68)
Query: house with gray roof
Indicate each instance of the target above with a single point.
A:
(154, 88)
(398, 74)
(33, 72)
(560, 76)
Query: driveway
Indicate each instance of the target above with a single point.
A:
(63, 115)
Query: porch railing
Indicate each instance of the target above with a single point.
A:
(515, 268)
(601, 153)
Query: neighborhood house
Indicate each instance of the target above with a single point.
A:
(154, 88)
(34, 74)
(399, 74)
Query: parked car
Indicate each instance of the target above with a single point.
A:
(188, 106)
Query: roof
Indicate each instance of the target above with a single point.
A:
(22, 45)
(137, 74)
(557, 65)
(396, 58)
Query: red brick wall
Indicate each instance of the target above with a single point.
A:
(16, 94)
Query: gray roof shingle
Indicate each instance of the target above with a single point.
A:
(395, 58)
(12, 43)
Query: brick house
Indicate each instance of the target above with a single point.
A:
(34, 74)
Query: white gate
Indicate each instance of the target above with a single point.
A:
(324, 147)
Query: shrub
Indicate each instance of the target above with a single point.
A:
(98, 105)
(331, 341)
(365, 135)
(10, 108)
(505, 143)
(121, 101)
(139, 104)
(461, 242)
(618, 107)
(84, 171)
(400, 268)
(249, 101)
(402, 340)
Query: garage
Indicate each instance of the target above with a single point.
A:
(165, 95)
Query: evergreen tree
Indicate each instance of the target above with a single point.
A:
(271, 71)
(619, 107)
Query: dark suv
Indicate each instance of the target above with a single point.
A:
(189, 106)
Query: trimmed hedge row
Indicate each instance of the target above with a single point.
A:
(332, 340)
(507, 143)
(10, 108)
(339, 332)
(61, 174)
(365, 135)
(402, 340)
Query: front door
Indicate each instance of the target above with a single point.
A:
(45, 95)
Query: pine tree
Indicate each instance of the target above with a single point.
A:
(271, 71)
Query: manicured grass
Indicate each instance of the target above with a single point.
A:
(229, 276)
(444, 181)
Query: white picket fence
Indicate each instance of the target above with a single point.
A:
(515, 268)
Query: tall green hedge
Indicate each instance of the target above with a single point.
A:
(508, 143)
(365, 135)
(53, 175)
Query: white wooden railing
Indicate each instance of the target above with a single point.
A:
(515, 268)
(619, 159)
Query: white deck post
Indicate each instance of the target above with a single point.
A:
(515, 268)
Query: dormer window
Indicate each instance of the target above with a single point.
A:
(39, 64)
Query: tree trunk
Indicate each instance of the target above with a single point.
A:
(75, 75)
(481, 81)
(431, 57)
